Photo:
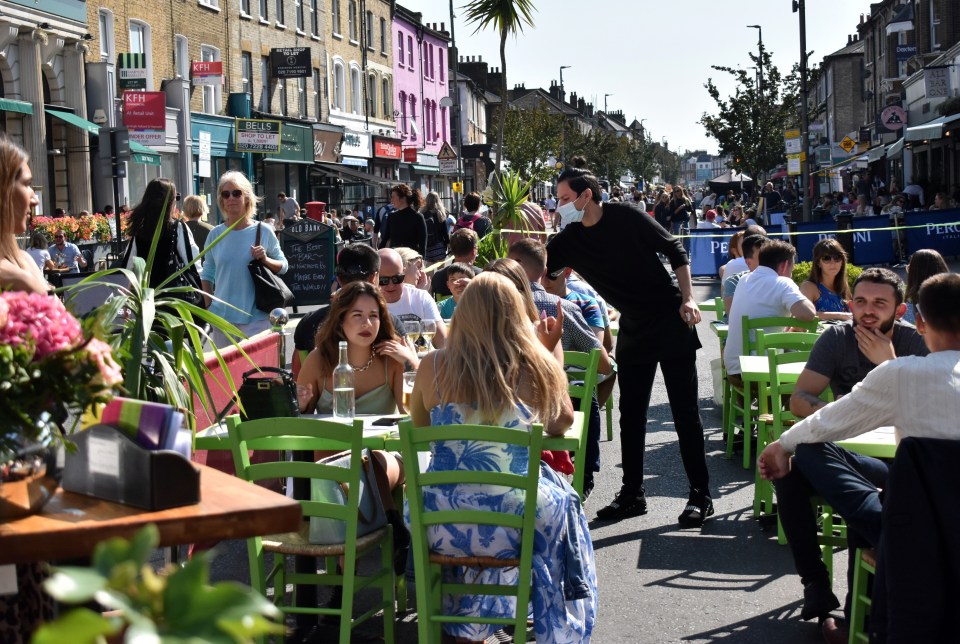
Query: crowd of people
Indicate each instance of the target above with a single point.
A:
(491, 352)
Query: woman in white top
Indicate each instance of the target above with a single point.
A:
(38, 251)
(18, 271)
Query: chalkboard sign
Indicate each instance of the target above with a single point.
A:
(308, 246)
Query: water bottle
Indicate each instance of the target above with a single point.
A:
(344, 399)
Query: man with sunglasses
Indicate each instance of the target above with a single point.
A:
(405, 301)
(66, 255)
(842, 357)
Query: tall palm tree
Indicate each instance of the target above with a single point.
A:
(507, 17)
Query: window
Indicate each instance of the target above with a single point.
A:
(140, 44)
(443, 74)
(264, 14)
(401, 58)
(212, 94)
(413, 117)
(901, 65)
(245, 7)
(386, 108)
(410, 51)
(403, 112)
(302, 97)
(428, 67)
(372, 95)
(299, 5)
(314, 18)
(356, 89)
(210, 3)
(264, 83)
(383, 36)
(443, 123)
(282, 82)
(106, 35)
(335, 16)
(352, 19)
(426, 121)
(246, 72)
(280, 20)
(369, 30)
(339, 92)
(181, 57)
(934, 23)
(316, 94)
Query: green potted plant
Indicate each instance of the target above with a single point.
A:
(505, 196)
(178, 604)
(801, 271)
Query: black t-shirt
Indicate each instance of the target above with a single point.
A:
(618, 257)
(837, 356)
(408, 228)
(438, 284)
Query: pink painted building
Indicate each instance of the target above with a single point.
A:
(421, 80)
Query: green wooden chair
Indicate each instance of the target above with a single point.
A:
(861, 601)
(581, 371)
(302, 434)
(740, 400)
(431, 586)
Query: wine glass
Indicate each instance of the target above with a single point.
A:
(411, 329)
(429, 330)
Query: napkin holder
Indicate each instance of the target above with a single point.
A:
(109, 465)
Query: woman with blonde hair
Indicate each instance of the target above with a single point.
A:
(494, 371)
(18, 271)
(225, 273)
(413, 268)
(827, 285)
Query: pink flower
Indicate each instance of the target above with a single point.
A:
(102, 354)
(39, 319)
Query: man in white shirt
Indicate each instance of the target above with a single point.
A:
(769, 291)
(917, 395)
(405, 301)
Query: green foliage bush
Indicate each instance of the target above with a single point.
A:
(801, 272)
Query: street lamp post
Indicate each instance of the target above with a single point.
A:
(457, 107)
(798, 6)
(760, 45)
(605, 103)
(563, 119)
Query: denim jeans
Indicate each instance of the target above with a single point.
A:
(848, 482)
(636, 384)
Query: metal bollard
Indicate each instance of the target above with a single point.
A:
(278, 319)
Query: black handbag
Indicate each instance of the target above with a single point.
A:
(189, 277)
(270, 292)
(268, 392)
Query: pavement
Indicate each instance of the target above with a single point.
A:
(658, 583)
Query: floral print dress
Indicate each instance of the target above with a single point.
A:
(556, 618)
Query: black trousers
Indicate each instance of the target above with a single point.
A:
(636, 384)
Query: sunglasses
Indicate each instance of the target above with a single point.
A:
(58, 237)
(832, 258)
(393, 279)
(226, 194)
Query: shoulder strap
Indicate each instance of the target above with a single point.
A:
(183, 241)
(257, 243)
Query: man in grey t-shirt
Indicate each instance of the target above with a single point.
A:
(842, 356)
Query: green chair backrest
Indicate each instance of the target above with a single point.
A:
(583, 375)
(302, 434)
(716, 306)
(800, 340)
(782, 384)
(414, 440)
(750, 325)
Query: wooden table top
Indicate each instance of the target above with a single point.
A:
(71, 525)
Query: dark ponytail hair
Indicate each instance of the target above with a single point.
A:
(579, 178)
(413, 197)
(157, 202)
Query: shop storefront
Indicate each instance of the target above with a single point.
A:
(386, 157)
(223, 157)
(286, 171)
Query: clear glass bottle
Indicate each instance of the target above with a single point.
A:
(344, 392)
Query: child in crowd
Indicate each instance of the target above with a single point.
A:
(458, 276)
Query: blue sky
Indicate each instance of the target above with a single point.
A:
(652, 56)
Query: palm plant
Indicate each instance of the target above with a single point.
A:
(158, 338)
(507, 17)
(505, 196)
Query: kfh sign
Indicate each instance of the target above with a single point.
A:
(207, 72)
(145, 115)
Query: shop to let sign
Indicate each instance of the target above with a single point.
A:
(254, 135)
(290, 62)
(206, 72)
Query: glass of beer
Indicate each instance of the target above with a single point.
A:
(408, 379)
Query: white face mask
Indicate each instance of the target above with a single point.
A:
(569, 214)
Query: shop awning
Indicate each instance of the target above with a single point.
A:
(895, 149)
(268, 159)
(338, 170)
(74, 120)
(876, 153)
(425, 169)
(930, 130)
(21, 107)
(143, 154)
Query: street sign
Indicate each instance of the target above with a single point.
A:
(446, 153)
(458, 187)
(791, 141)
(848, 144)
(893, 117)
(447, 166)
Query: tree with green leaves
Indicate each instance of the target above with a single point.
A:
(531, 136)
(506, 17)
(749, 125)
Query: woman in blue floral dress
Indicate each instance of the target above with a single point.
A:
(494, 371)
